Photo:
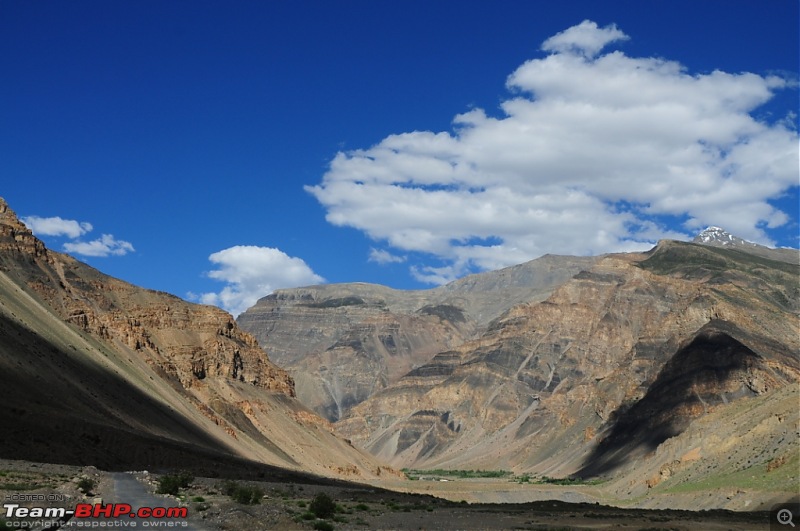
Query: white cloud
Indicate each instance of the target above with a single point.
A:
(251, 272)
(382, 256)
(56, 226)
(104, 246)
(585, 39)
(592, 150)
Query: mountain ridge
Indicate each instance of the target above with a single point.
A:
(547, 385)
(565, 384)
(100, 371)
(718, 237)
(344, 342)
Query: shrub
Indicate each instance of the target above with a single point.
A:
(323, 505)
(247, 495)
(172, 483)
(85, 485)
(228, 488)
(322, 525)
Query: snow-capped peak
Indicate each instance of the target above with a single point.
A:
(719, 237)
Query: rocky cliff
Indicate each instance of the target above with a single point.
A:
(87, 357)
(609, 375)
(342, 343)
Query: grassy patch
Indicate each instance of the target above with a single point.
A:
(568, 481)
(755, 477)
(461, 474)
(21, 481)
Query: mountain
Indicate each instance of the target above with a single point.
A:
(646, 370)
(653, 372)
(342, 343)
(718, 237)
(98, 371)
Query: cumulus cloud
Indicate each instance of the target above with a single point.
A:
(56, 226)
(382, 256)
(585, 39)
(591, 154)
(105, 245)
(251, 272)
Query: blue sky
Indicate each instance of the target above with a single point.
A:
(219, 150)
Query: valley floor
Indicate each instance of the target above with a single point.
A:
(286, 505)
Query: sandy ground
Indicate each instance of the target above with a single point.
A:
(286, 506)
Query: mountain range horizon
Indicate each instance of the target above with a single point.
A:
(621, 370)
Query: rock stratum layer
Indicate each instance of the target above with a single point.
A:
(98, 371)
(342, 343)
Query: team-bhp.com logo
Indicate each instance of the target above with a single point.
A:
(85, 515)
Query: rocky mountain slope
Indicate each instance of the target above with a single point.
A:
(660, 373)
(612, 376)
(342, 343)
(719, 237)
(98, 371)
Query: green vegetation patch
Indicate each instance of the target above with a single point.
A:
(172, 483)
(757, 477)
(687, 257)
(21, 481)
(568, 481)
(243, 494)
(414, 474)
(86, 485)
(322, 505)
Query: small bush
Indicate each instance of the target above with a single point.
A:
(301, 503)
(362, 507)
(198, 499)
(172, 483)
(322, 525)
(247, 495)
(323, 505)
(228, 488)
(308, 515)
(85, 485)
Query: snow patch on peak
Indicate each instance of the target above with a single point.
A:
(718, 236)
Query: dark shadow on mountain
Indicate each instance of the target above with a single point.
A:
(697, 376)
(61, 407)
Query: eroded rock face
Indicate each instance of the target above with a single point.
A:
(159, 367)
(628, 352)
(184, 340)
(343, 343)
